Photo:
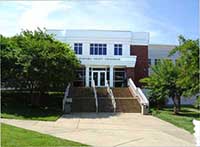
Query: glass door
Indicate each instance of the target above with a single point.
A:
(102, 75)
(95, 77)
(99, 78)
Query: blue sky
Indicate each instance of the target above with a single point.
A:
(164, 19)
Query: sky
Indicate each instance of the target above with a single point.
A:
(163, 19)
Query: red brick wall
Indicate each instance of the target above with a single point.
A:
(129, 73)
(141, 67)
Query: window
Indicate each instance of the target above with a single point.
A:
(149, 62)
(78, 48)
(118, 49)
(156, 61)
(98, 49)
(79, 77)
(119, 77)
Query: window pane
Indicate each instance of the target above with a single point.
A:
(104, 51)
(115, 51)
(96, 51)
(120, 51)
(100, 51)
(91, 51)
(80, 50)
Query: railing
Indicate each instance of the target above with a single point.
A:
(66, 96)
(111, 96)
(144, 103)
(95, 95)
(197, 131)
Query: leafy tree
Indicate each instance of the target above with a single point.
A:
(188, 62)
(163, 83)
(10, 71)
(39, 61)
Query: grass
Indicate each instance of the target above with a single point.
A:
(183, 120)
(17, 105)
(13, 136)
(30, 113)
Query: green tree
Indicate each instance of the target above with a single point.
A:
(163, 83)
(40, 61)
(188, 50)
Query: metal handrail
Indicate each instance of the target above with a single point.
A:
(95, 95)
(111, 95)
(138, 92)
(66, 95)
(144, 102)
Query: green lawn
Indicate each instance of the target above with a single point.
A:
(16, 105)
(12, 136)
(30, 113)
(183, 120)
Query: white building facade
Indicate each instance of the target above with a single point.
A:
(104, 55)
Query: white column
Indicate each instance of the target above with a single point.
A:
(111, 76)
(87, 76)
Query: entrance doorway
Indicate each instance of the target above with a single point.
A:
(99, 78)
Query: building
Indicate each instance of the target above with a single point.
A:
(114, 57)
(108, 55)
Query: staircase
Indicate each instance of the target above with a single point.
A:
(82, 99)
(104, 102)
(125, 101)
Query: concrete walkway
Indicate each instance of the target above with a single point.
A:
(108, 129)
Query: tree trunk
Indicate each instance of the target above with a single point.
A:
(176, 109)
(179, 103)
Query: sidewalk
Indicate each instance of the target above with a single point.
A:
(108, 129)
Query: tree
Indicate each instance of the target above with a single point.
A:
(188, 62)
(163, 83)
(40, 61)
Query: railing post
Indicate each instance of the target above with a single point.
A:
(66, 99)
(111, 96)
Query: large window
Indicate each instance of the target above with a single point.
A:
(119, 77)
(118, 49)
(98, 49)
(80, 77)
(78, 48)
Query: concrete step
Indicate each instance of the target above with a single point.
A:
(121, 92)
(101, 92)
(81, 92)
(83, 105)
(105, 105)
(127, 105)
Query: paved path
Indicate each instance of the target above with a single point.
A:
(107, 129)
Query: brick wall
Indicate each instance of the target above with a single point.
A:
(130, 73)
(141, 67)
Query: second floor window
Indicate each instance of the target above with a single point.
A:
(98, 49)
(118, 49)
(78, 48)
(149, 62)
(156, 61)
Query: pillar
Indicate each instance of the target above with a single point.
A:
(111, 76)
(87, 76)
